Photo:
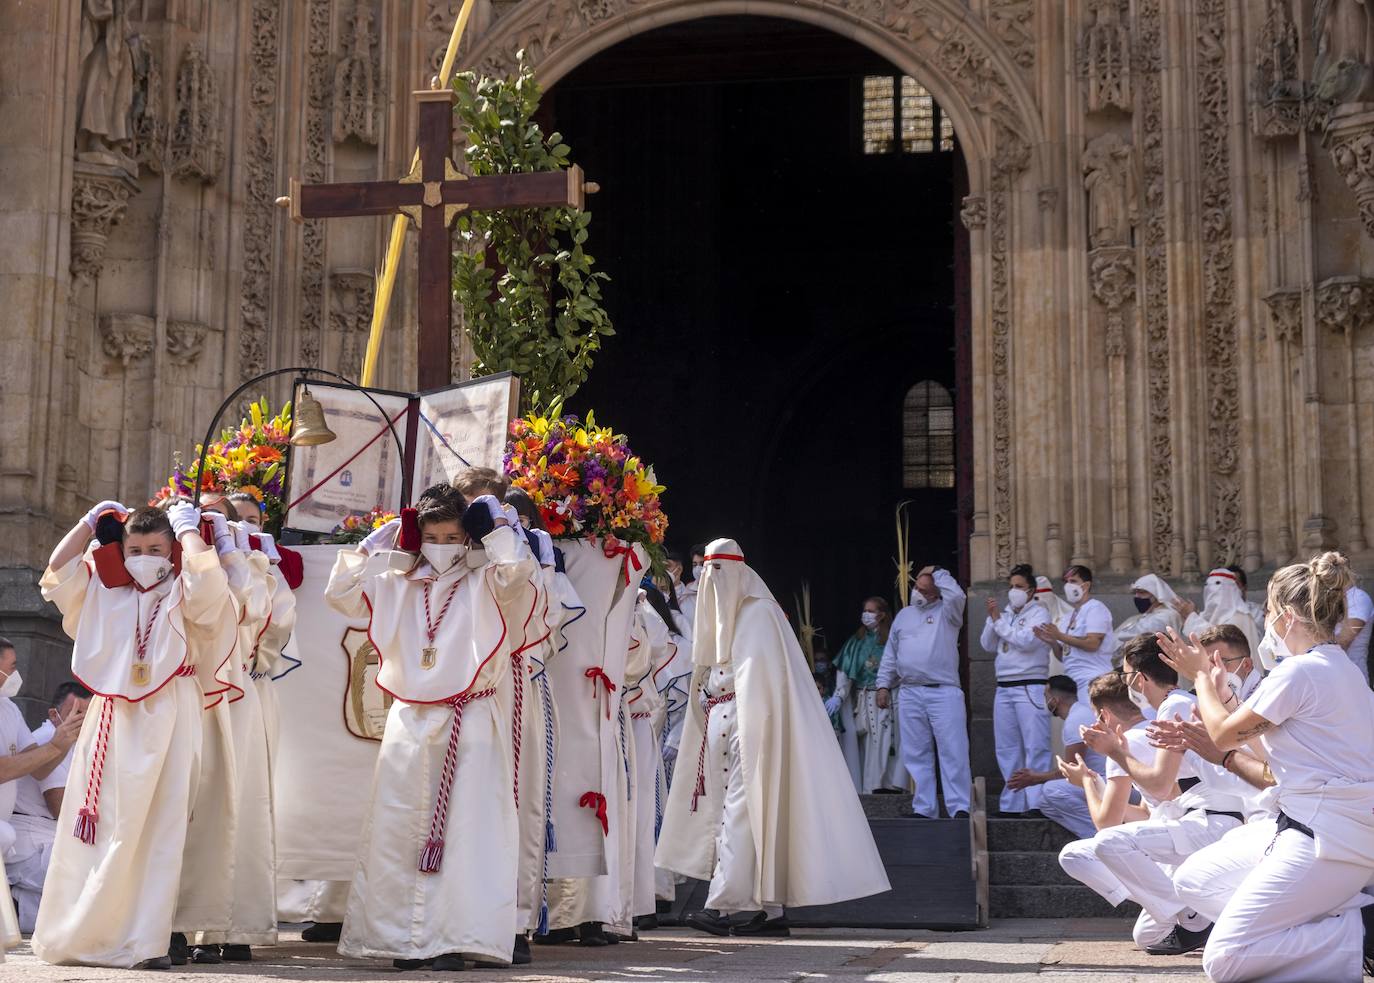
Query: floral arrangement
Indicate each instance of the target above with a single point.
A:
(355, 528)
(586, 481)
(249, 458)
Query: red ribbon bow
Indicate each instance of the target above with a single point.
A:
(597, 801)
(596, 673)
(614, 547)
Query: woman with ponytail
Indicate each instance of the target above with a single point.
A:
(1298, 913)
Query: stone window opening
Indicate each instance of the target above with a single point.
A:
(901, 116)
(928, 436)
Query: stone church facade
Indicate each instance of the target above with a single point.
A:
(1170, 212)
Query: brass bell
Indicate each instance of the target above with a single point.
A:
(309, 428)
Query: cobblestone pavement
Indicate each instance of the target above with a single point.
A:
(1015, 951)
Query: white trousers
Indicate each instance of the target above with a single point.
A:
(1021, 731)
(26, 864)
(732, 882)
(1068, 806)
(933, 720)
(1135, 861)
(1289, 917)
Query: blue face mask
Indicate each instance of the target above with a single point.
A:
(1143, 604)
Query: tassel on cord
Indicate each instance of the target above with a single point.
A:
(550, 840)
(543, 927)
(89, 815)
(432, 855)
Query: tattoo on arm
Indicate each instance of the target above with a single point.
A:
(1255, 731)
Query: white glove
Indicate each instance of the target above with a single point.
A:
(224, 536)
(184, 518)
(380, 540)
(93, 516)
(545, 542)
(269, 546)
(832, 705)
(241, 541)
(493, 507)
(512, 516)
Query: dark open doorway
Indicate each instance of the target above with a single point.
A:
(785, 296)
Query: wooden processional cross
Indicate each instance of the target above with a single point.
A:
(433, 194)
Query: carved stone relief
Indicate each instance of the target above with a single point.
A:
(195, 149)
(1350, 141)
(149, 125)
(107, 78)
(1345, 303)
(1278, 84)
(1285, 313)
(260, 212)
(974, 212)
(1111, 273)
(1104, 57)
(100, 197)
(126, 337)
(318, 87)
(351, 316)
(1343, 69)
(1109, 179)
(1013, 23)
(356, 88)
(185, 341)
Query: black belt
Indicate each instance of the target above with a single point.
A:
(1288, 822)
(1187, 784)
(1010, 683)
(1237, 816)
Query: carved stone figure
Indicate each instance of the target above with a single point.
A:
(1104, 54)
(1278, 87)
(195, 149)
(1344, 33)
(1109, 169)
(355, 81)
(107, 77)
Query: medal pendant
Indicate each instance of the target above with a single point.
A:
(141, 674)
(427, 657)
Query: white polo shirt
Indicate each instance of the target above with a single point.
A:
(1089, 618)
(14, 737)
(923, 645)
(1020, 655)
(30, 801)
(1358, 604)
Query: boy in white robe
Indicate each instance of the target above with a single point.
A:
(437, 867)
(145, 639)
(766, 812)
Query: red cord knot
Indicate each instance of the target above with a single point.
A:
(597, 801)
(700, 789)
(614, 547)
(597, 674)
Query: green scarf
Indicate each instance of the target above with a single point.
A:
(859, 660)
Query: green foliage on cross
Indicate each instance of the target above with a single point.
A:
(531, 300)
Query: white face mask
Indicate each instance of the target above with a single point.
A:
(869, 618)
(148, 571)
(1271, 651)
(1236, 683)
(1138, 698)
(697, 571)
(1074, 592)
(441, 556)
(1017, 598)
(917, 600)
(10, 687)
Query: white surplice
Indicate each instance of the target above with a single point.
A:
(111, 902)
(462, 700)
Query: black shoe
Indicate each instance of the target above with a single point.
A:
(236, 953)
(916, 815)
(888, 791)
(707, 921)
(157, 962)
(961, 814)
(177, 950)
(763, 926)
(520, 954)
(1367, 916)
(410, 963)
(559, 936)
(646, 923)
(323, 932)
(592, 934)
(616, 938)
(206, 955)
(451, 962)
(1179, 941)
(662, 907)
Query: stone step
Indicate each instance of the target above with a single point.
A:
(1058, 901)
(1026, 836)
(1031, 869)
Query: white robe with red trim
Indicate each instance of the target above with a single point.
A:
(644, 708)
(111, 903)
(467, 905)
(538, 742)
(591, 762)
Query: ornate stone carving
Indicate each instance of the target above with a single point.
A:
(1155, 281)
(318, 88)
(195, 149)
(148, 122)
(1344, 34)
(1345, 303)
(356, 80)
(1104, 57)
(100, 196)
(1111, 272)
(1278, 85)
(1349, 139)
(1047, 199)
(107, 78)
(1013, 22)
(185, 341)
(1285, 313)
(260, 213)
(1109, 179)
(974, 213)
(127, 337)
(351, 317)
(1218, 283)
